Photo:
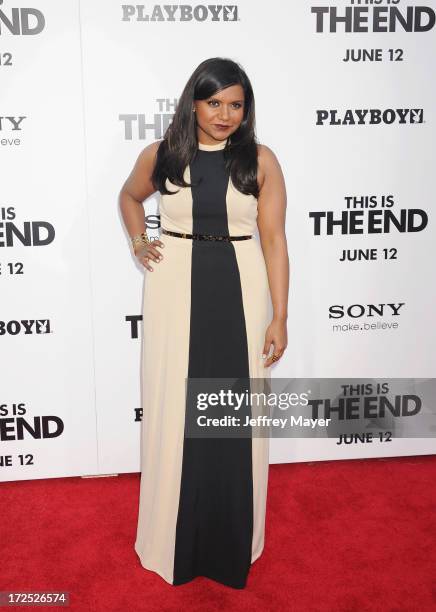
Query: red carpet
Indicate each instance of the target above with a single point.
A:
(356, 535)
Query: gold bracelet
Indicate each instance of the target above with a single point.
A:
(140, 239)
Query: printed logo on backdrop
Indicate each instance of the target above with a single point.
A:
(368, 216)
(28, 233)
(151, 126)
(373, 411)
(365, 317)
(17, 424)
(134, 325)
(375, 17)
(369, 116)
(25, 327)
(17, 21)
(179, 12)
(14, 234)
(9, 126)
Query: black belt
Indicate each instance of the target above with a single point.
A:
(204, 236)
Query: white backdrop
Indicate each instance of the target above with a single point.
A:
(84, 87)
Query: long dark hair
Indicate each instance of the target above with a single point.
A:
(180, 144)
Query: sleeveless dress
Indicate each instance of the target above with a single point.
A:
(206, 309)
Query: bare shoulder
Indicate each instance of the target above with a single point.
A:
(266, 156)
(139, 183)
(147, 159)
(148, 154)
(267, 163)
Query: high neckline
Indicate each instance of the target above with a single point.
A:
(212, 147)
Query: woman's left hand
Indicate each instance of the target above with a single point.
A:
(276, 334)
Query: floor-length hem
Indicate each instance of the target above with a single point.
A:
(215, 578)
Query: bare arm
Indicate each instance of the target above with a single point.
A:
(137, 188)
(271, 224)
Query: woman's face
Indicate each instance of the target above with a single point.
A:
(225, 108)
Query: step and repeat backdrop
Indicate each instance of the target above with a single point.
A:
(346, 100)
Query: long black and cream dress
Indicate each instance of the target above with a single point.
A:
(206, 308)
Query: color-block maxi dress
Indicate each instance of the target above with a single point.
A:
(206, 308)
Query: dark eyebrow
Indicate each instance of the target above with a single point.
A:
(214, 98)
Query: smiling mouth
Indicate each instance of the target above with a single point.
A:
(221, 125)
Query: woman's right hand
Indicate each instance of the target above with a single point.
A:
(146, 252)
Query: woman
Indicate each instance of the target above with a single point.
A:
(206, 315)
